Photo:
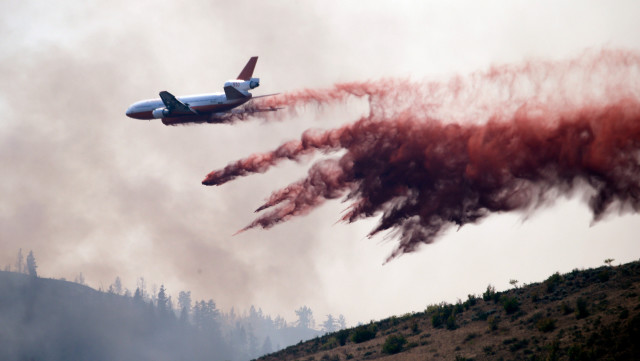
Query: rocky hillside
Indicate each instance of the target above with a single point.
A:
(583, 315)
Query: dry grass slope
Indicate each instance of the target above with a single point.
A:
(582, 315)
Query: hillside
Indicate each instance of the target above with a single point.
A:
(583, 315)
(48, 319)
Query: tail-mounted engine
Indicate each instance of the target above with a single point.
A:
(243, 85)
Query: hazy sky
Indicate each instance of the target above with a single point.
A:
(90, 190)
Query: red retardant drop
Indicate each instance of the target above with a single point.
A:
(433, 155)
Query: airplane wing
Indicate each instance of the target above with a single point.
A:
(262, 96)
(174, 105)
(251, 110)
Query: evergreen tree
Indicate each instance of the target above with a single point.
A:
(280, 322)
(266, 346)
(20, 262)
(240, 338)
(79, 279)
(137, 296)
(161, 301)
(116, 287)
(142, 286)
(305, 317)
(342, 323)
(184, 302)
(31, 265)
(329, 325)
(253, 343)
(154, 294)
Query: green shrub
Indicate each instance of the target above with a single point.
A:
(515, 344)
(458, 308)
(330, 358)
(493, 323)
(581, 308)
(469, 337)
(364, 333)
(461, 358)
(441, 314)
(510, 304)
(470, 302)
(577, 353)
(546, 324)
(415, 329)
(535, 296)
(566, 309)
(553, 281)
(489, 294)
(437, 321)
(553, 350)
(451, 322)
(330, 343)
(482, 315)
(342, 336)
(393, 344)
(603, 276)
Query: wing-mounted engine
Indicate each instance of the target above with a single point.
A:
(160, 113)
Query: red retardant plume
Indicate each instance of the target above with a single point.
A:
(432, 155)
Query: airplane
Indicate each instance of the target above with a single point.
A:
(204, 108)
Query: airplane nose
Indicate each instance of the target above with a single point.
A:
(129, 111)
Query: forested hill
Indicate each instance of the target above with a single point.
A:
(47, 319)
(592, 314)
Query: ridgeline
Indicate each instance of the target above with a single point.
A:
(592, 314)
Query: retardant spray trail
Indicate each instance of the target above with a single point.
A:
(424, 173)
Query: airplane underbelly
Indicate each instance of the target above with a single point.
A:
(216, 108)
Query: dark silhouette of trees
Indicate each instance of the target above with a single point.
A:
(305, 317)
(329, 325)
(267, 348)
(280, 322)
(206, 315)
(116, 287)
(342, 322)
(142, 286)
(80, 279)
(127, 323)
(137, 296)
(184, 303)
(31, 265)
(162, 300)
(20, 262)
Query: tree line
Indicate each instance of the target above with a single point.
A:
(244, 335)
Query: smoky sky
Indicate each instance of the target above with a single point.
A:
(90, 190)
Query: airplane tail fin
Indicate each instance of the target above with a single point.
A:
(247, 72)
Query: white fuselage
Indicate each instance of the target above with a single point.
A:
(204, 107)
(200, 102)
(212, 107)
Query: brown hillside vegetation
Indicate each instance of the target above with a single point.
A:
(582, 315)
